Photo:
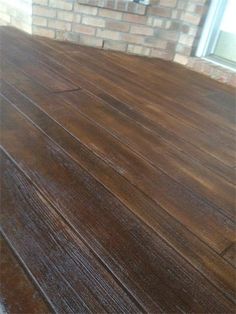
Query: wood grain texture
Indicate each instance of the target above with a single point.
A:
(69, 188)
(117, 179)
(136, 96)
(17, 293)
(230, 254)
(30, 88)
(208, 159)
(186, 243)
(64, 266)
(174, 198)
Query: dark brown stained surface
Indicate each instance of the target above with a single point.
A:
(17, 293)
(230, 254)
(117, 182)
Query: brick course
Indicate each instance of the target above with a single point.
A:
(117, 26)
(167, 29)
(93, 21)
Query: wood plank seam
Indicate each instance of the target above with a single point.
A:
(173, 178)
(81, 159)
(71, 226)
(27, 271)
(66, 152)
(95, 179)
(42, 43)
(221, 210)
(226, 177)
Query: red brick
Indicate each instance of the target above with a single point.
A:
(134, 18)
(56, 24)
(131, 38)
(117, 26)
(110, 14)
(157, 11)
(155, 42)
(85, 9)
(168, 34)
(141, 30)
(43, 11)
(65, 16)
(60, 4)
(93, 21)
(191, 18)
(88, 30)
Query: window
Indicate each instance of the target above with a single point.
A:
(218, 40)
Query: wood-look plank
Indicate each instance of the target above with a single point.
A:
(134, 150)
(132, 251)
(185, 108)
(188, 148)
(163, 103)
(181, 239)
(182, 106)
(18, 294)
(65, 268)
(152, 147)
(221, 98)
(45, 76)
(230, 254)
(186, 132)
(217, 146)
(144, 74)
(196, 82)
(205, 84)
(157, 151)
(197, 110)
(178, 201)
(11, 73)
(133, 96)
(202, 82)
(184, 76)
(168, 101)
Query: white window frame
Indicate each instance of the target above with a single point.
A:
(210, 31)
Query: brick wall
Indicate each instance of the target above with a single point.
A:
(167, 29)
(17, 13)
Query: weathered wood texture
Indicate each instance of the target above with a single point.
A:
(18, 294)
(118, 181)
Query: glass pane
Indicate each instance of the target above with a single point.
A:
(226, 43)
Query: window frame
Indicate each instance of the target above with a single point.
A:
(210, 32)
